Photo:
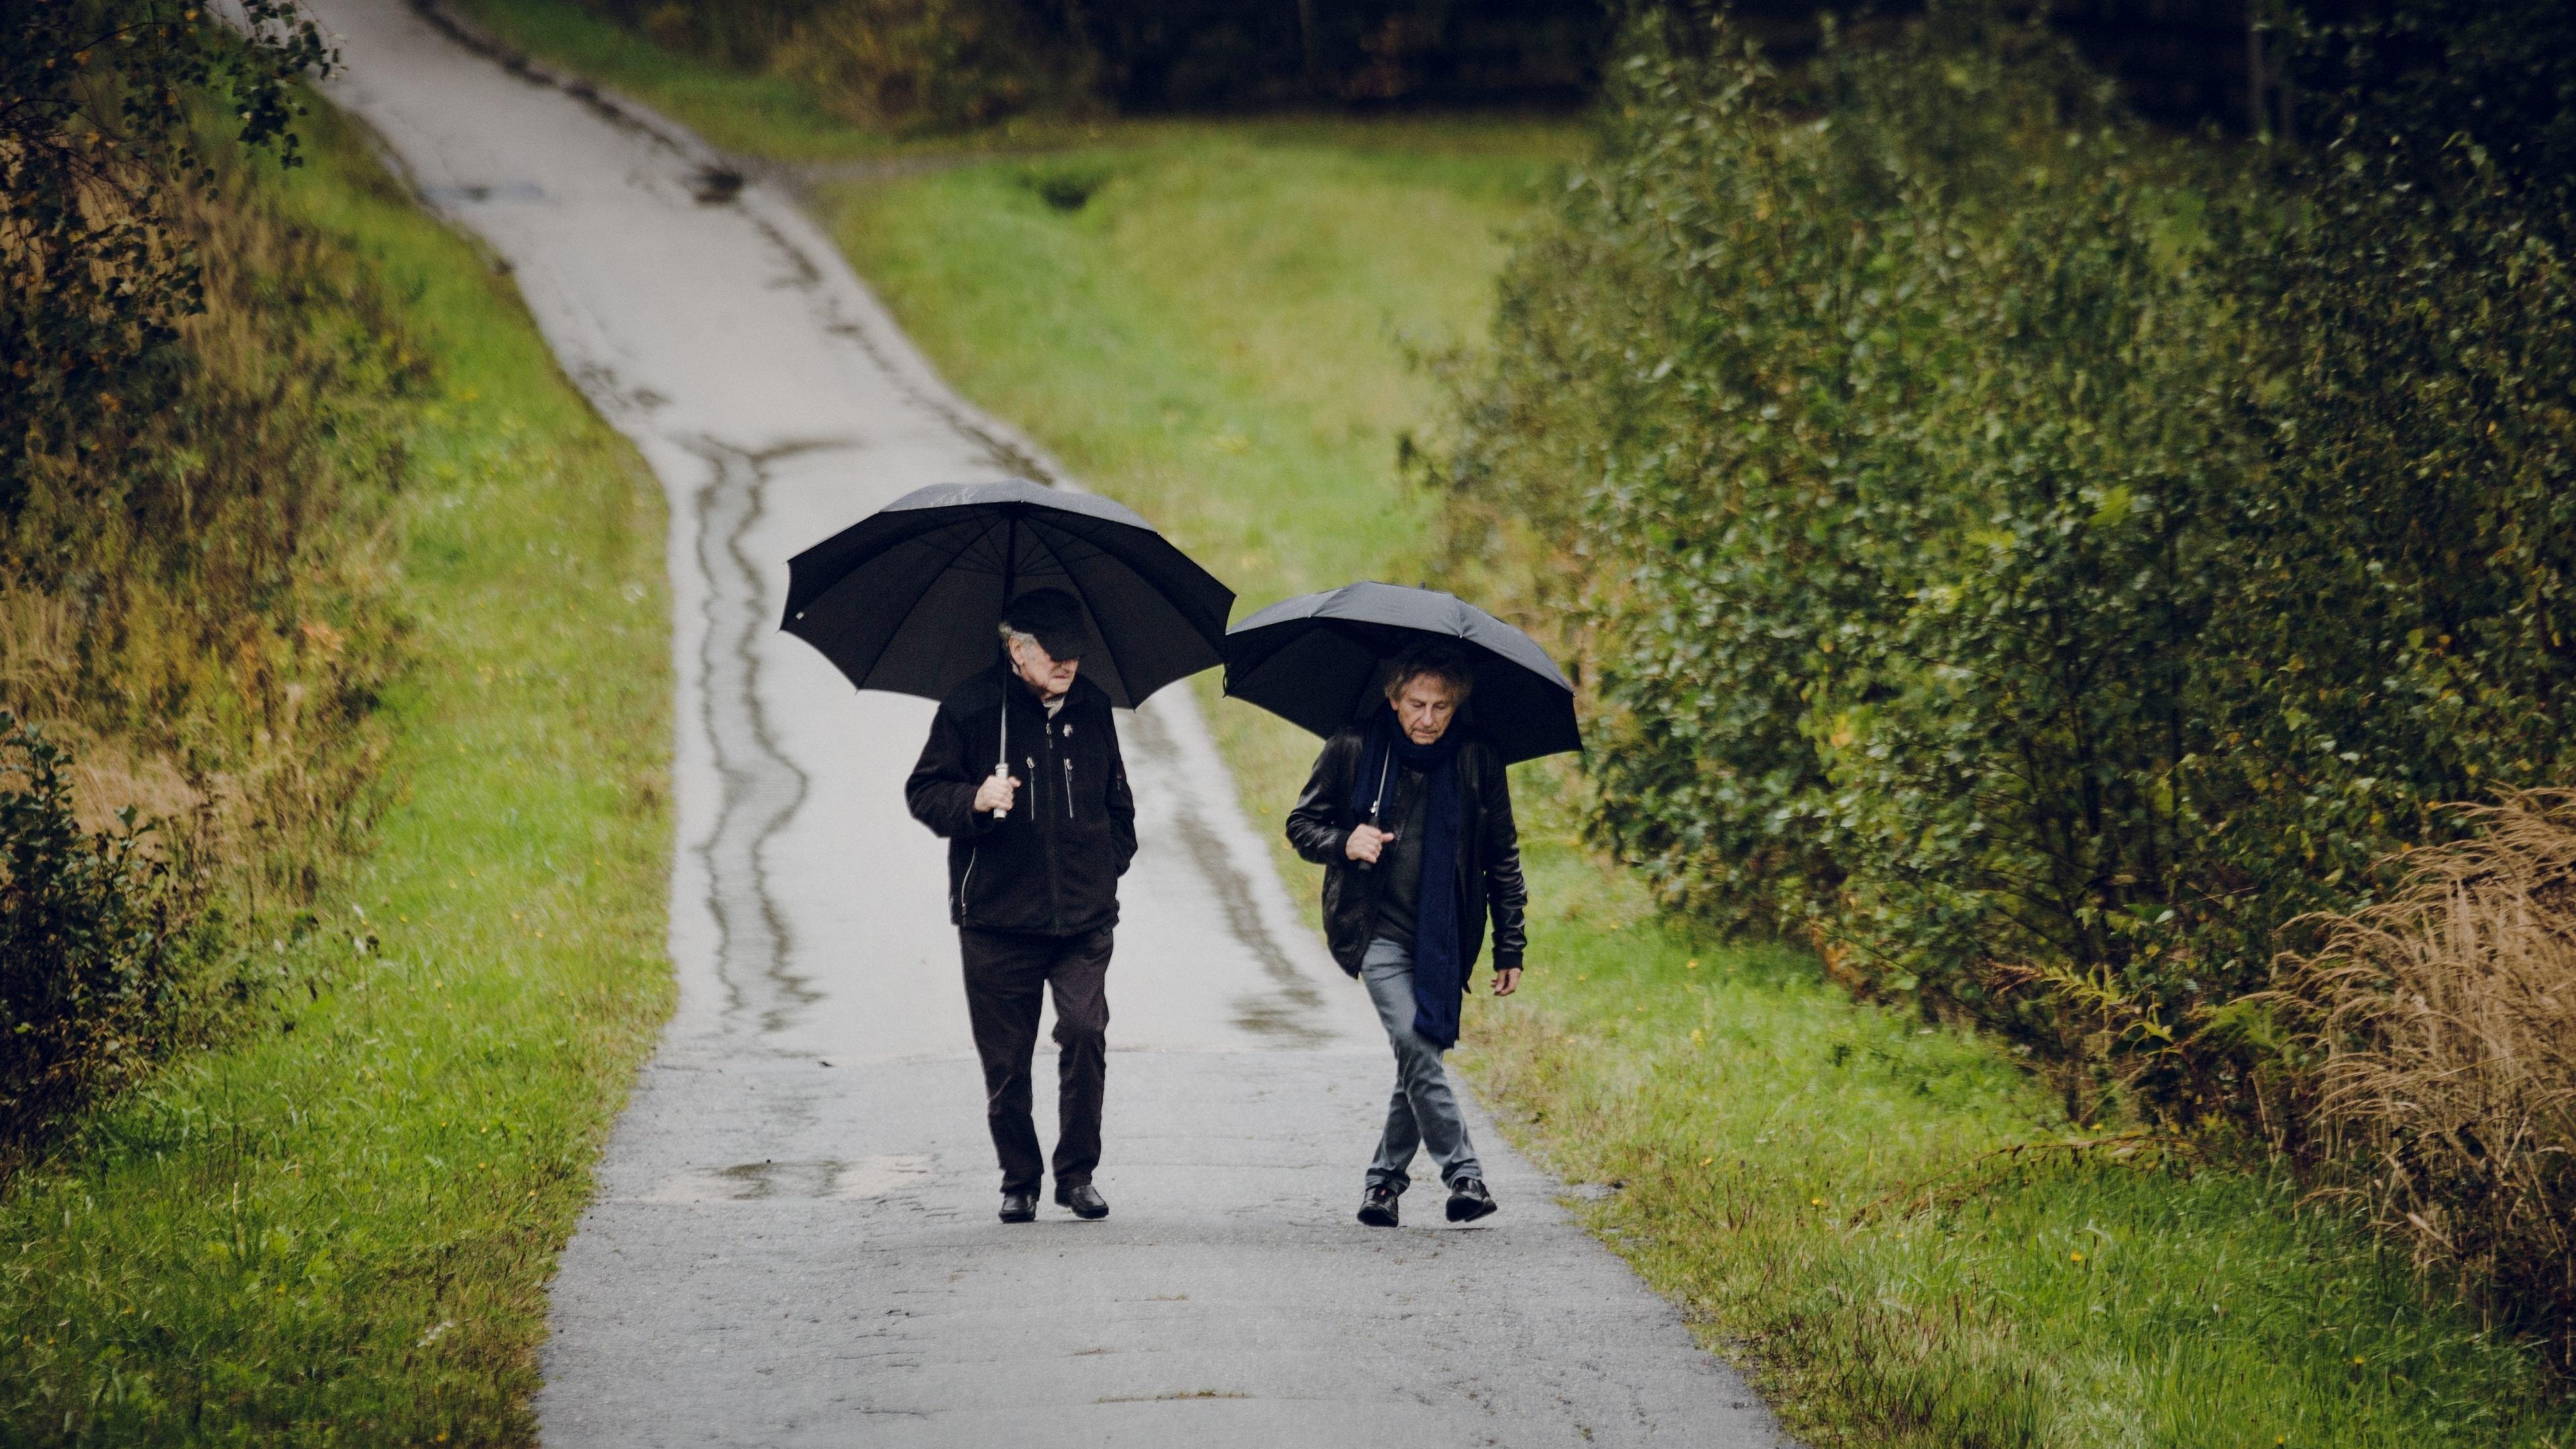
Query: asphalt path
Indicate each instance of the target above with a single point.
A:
(793, 1238)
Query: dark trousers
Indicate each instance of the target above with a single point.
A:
(1007, 973)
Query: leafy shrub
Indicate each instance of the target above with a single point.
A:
(2441, 1028)
(2034, 559)
(97, 145)
(96, 935)
(933, 63)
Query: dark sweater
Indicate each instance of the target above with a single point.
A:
(1399, 893)
(1489, 855)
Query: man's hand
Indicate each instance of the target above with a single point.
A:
(1367, 842)
(996, 793)
(1507, 980)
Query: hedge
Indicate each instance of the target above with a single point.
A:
(2036, 558)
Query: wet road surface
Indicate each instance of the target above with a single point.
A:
(793, 1238)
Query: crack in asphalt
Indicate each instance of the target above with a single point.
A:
(762, 786)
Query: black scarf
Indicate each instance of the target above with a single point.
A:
(1439, 964)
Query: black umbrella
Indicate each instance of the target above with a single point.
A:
(908, 598)
(1315, 661)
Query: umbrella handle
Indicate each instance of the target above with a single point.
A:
(1002, 762)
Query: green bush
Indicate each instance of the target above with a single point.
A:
(98, 145)
(2035, 559)
(96, 935)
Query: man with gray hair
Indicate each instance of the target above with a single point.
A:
(1023, 777)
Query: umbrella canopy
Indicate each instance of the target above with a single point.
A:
(907, 599)
(1315, 661)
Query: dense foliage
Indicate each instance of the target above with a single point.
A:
(2036, 560)
(949, 63)
(96, 933)
(97, 144)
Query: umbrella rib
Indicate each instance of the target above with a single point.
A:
(913, 609)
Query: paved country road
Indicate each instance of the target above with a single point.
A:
(793, 1238)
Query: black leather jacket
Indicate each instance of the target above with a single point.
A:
(1052, 865)
(1489, 854)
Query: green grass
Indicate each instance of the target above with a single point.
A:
(1812, 1180)
(1213, 337)
(339, 1227)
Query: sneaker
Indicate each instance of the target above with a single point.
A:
(1377, 1206)
(1468, 1200)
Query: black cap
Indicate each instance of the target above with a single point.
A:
(1054, 618)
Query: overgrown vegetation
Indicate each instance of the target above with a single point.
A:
(98, 144)
(2039, 561)
(2445, 1031)
(338, 1227)
(942, 65)
(98, 934)
(330, 920)
(193, 595)
(1866, 1211)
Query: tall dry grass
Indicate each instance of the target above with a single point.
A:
(2441, 1080)
(196, 604)
(194, 598)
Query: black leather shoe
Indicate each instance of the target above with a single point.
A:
(1019, 1207)
(1083, 1198)
(1377, 1207)
(1468, 1200)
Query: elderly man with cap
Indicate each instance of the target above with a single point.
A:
(1023, 778)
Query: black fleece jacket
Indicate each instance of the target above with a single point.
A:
(1489, 855)
(1050, 867)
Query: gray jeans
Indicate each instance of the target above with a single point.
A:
(1423, 1112)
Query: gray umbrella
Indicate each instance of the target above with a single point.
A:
(1316, 661)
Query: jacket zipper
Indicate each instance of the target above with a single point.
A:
(1068, 786)
(968, 879)
(1055, 887)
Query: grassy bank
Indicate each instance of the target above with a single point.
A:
(1207, 321)
(338, 1228)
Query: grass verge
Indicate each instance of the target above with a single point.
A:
(1208, 321)
(339, 1228)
